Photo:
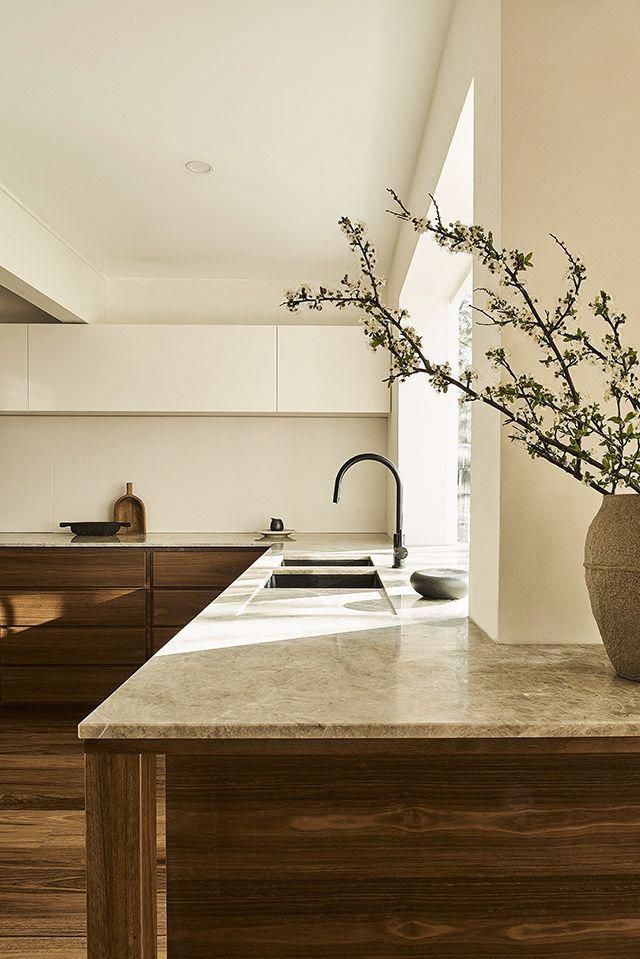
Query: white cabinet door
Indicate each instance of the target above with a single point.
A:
(153, 369)
(14, 394)
(330, 369)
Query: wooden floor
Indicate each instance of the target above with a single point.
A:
(42, 861)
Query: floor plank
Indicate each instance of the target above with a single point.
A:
(42, 857)
(43, 948)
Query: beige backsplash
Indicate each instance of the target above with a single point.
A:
(194, 473)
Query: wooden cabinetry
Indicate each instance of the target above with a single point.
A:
(76, 622)
(74, 568)
(184, 581)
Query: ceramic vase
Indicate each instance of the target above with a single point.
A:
(612, 571)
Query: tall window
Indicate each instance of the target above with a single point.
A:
(433, 431)
(465, 325)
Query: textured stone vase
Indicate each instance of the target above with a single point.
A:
(612, 570)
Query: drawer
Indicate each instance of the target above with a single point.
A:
(177, 607)
(195, 567)
(161, 635)
(78, 607)
(60, 684)
(72, 645)
(71, 567)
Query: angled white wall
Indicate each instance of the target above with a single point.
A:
(39, 265)
(471, 55)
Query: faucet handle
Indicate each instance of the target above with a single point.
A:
(400, 551)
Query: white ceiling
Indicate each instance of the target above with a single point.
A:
(307, 109)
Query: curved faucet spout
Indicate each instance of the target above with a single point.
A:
(399, 550)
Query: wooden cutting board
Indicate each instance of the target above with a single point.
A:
(131, 509)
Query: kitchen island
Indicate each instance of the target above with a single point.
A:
(358, 773)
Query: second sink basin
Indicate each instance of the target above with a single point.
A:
(324, 581)
(328, 561)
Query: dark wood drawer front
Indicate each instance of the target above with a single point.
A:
(71, 567)
(72, 646)
(177, 607)
(57, 684)
(486, 856)
(217, 568)
(161, 635)
(79, 607)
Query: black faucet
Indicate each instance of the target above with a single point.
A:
(399, 549)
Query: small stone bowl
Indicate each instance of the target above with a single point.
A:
(440, 583)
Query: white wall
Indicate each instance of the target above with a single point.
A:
(162, 300)
(194, 473)
(570, 144)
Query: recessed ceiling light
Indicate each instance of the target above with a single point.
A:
(198, 166)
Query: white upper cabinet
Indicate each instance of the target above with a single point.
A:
(14, 393)
(153, 369)
(330, 369)
(191, 369)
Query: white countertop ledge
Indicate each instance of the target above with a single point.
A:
(305, 664)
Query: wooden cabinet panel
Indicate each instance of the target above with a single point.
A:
(80, 607)
(60, 684)
(73, 645)
(205, 568)
(330, 369)
(439, 856)
(153, 368)
(71, 567)
(160, 636)
(176, 607)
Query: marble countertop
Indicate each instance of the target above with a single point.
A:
(326, 541)
(262, 663)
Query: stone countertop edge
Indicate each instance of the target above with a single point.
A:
(189, 539)
(370, 732)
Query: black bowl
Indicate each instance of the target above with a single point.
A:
(95, 529)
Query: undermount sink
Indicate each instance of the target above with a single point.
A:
(324, 581)
(328, 561)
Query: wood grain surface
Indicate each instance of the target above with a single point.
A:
(485, 855)
(130, 509)
(42, 835)
(71, 568)
(73, 607)
(121, 856)
(202, 568)
(177, 607)
(58, 685)
(72, 646)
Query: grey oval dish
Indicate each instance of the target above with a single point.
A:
(440, 583)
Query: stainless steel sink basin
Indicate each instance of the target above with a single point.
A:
(327, 561)
(324, 581)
